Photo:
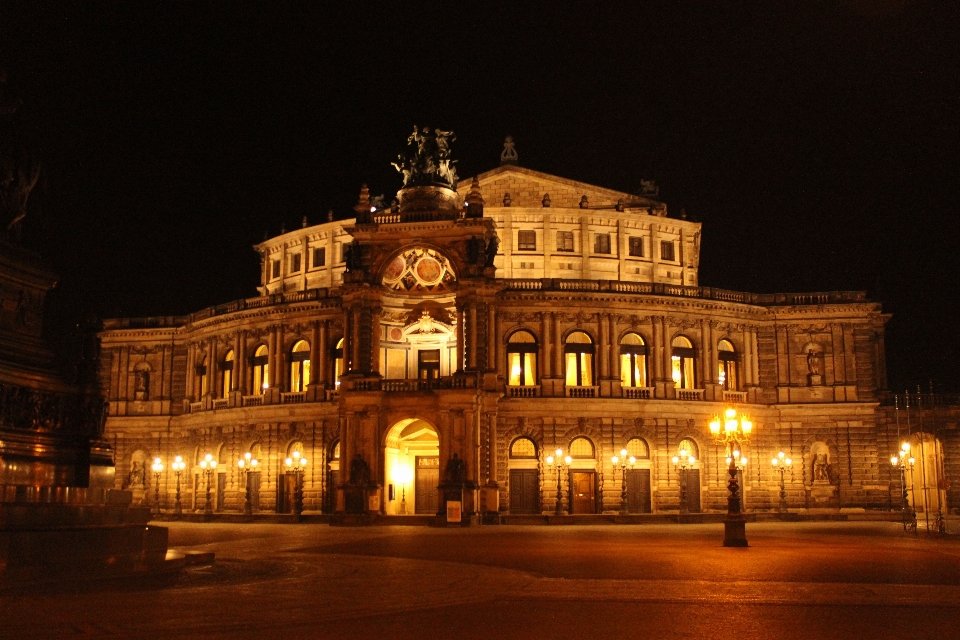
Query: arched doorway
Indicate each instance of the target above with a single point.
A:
(583, 476)
(524, 476)
(412, 468)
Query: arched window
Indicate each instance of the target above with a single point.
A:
(690, 447)
(226, 374)
(683, 359)
(727, 376)
(578, 351)
(523, 448)
(335, 453)
(522, 359)
(633, 361)
(637, 447)
(261, 370)
(300, 366)
(337, 353)
(581, 448)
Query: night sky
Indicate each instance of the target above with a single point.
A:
(818, 147)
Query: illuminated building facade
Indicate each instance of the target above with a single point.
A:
(458, 337)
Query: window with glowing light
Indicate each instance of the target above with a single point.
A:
(637, 447)
(522, 359)
(582, 448)
(261, 370)
(683, 363)
(523, 448)
(727, 366)
(338, 362)
(226, 374)
(690, 447)
(300, 366)
(578, 352)
(633, 361)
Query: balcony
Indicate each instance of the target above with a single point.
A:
(531, 391)
(582, 392)
(637, 393)
(295, 397)
(734, 396)
(688, 395)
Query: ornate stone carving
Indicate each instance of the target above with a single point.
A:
(427, 161)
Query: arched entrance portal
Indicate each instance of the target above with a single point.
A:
(412, 468)
(925, 481)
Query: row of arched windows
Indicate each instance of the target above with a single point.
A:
(579, 370)
(301, 373)
(581, 448)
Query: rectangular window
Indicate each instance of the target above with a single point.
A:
(319, 257)
(564, 240)
(526, 240)
(601, 243)
(666, 250)
(295, 263)
(275, 268)
(636, 247)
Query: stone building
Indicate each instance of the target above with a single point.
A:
(443, 346)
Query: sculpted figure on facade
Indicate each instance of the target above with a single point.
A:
(19, 170)
(427, 161)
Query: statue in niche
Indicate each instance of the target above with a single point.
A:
(821, 468)
(428, 161)
(456, 471)
(359, 471)
(815, 366)
(137, 474)
(141, 390)
(492, 248)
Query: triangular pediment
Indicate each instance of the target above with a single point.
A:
(528, 187)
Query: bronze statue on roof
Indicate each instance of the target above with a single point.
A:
(427, 161)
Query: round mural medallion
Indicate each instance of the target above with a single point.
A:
(395, 269)
(429, 270)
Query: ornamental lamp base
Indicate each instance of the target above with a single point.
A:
(735, 532)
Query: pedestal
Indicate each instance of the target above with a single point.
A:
(735, 531)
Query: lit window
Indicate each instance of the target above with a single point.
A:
(727, 375)
(300, 366)
(564, 240)
(578, 351)
(226, 374)
(601, 243)
(636, 247)
(666, 250)
(338, 363)
(526, 240)
(638, 448)
(522, 359)
(261, 370)
(690, 447)
(633, 361)
(523, 448)
(581, 448)
(683, 360)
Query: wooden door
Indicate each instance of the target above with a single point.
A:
(524, 491)
(221, 490)
(286, 492)
(638, 491)
(253, 481)
(583, 490)
(426, 485)
(331, 497)
(693, 490)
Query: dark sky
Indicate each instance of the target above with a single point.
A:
(819, 146)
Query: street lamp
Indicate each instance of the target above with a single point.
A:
(157, 470)
(680, 464)
(732, 432)
(901, 462)
(404, 474)
(558, 464)
(622, 463)
(178, 466)
(246, 464)
(781, 463)
(208, 465)
(297, 464)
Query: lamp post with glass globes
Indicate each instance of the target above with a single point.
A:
(733, 431)
(157, 470)
(245, 465)
(207, 466)
(297, 463)
(558, 463)
(901, 462)
(781, 463)
(178, 466)
(680, 464)
(621, 464)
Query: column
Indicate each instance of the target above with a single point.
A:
(315, 373)
(355, 338)
(604, 347)
(323, 350)
(547, 342)
(375, 340)
(492, 338)
(212, 369)
(272, 364)
(237, 361)
(190, 373)
(472, 335)
(612, 351)
(460, 337)
(281, 373)
(654, 355)
(557, 347)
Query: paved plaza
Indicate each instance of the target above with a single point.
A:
(796, 580)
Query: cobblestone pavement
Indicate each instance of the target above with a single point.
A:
(805, 580)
